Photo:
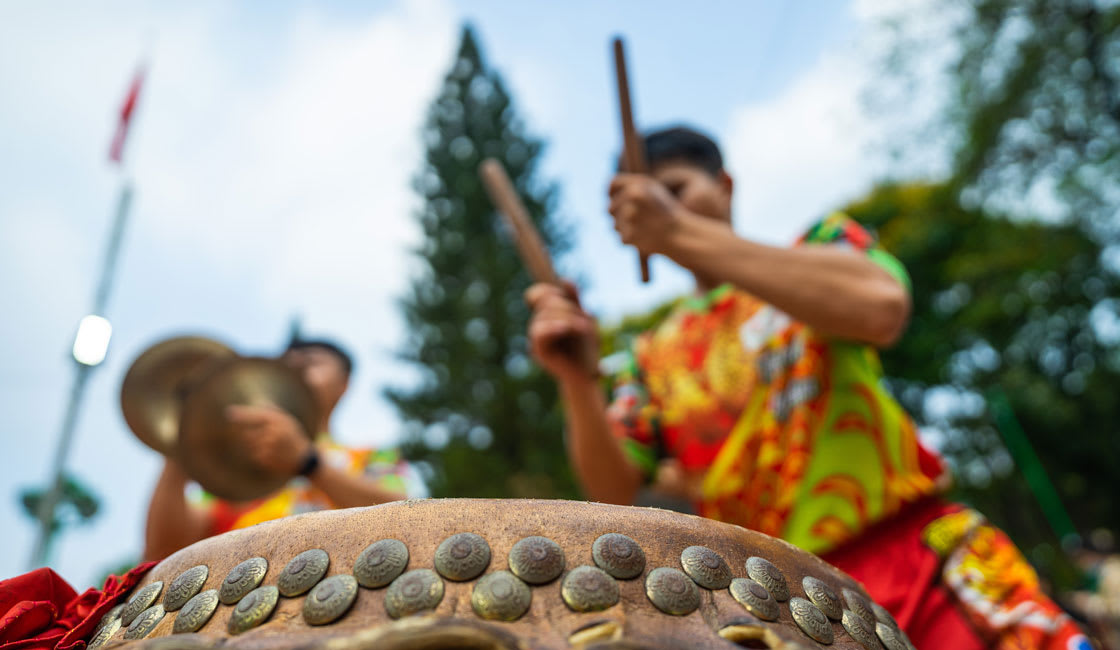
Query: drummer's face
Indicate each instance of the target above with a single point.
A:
(699, 191)
(322, 371)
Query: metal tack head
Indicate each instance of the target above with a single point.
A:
(463, 556)
(185, 587)
(143, 624)
(672, 591)
(109, 617)
(413, 591)
(860, 630)
(706, 567)
(766, 574)
(755, 598)
(589, 589)
(536, 560)
(823, 597)
(501, 596)
(811, 620)
(891, 636)
(619, 555)
(242, 579)
(859, 605)
(882, 615)
(253, 609)
(105, 632)
(380, 563)
(303, 572)
(196, 612)
(330, 599)
(141, 601)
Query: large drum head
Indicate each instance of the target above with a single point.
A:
(156, 383)
(211, 451)
(509, 575)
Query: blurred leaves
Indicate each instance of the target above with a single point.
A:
(483, 420)
(1014, 257)
(1009, 304)
(77, 504)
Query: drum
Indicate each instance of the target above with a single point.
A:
(497, 574)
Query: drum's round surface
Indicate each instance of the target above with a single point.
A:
(430, 611)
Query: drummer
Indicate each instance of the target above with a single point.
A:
(759, 398)
(327, 474)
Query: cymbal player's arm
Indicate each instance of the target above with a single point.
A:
(349, 491)
(172, 522)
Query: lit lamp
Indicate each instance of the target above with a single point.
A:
(92, 341)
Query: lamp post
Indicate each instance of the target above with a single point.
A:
(91, 344)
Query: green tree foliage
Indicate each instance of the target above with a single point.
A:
(1037, 99)
(1032, 106)
(482, 418)
(1009, 305)
(1032, 100)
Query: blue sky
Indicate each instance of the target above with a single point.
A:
(272, 154)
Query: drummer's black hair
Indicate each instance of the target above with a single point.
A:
(682, 144)
(329, 346)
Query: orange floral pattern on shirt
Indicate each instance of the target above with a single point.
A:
(791, 434)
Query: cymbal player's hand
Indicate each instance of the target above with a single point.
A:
(645, 212)
(563, 337)
(274, 439)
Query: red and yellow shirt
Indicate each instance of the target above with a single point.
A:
(385, 466)
(791, 433)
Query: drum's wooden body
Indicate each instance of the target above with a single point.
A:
(720, 621)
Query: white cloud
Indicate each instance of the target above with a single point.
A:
(802, 153)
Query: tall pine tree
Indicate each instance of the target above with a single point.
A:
(483, 417)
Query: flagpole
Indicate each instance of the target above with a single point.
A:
(92, 340)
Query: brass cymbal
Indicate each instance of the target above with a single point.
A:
(211, 451)
(154, 386)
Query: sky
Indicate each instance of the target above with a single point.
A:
(271, 156)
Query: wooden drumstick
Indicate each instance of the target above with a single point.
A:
(529, 244)
(525, 236)
(633, 149)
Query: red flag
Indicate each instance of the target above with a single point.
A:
(117, 148)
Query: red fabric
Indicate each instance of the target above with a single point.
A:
(952, 580)
(116, 150)
(40, 610)
(904, 575)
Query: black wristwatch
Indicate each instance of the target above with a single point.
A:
(310, 463)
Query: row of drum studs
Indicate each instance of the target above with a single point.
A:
(500, 595)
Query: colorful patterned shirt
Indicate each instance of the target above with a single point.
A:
(792, 433)
(384, 466)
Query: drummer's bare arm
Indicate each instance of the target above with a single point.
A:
(281, 446)
(838, 292)
(172, 522)
(558, 328)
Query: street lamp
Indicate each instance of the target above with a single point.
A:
(92, 340)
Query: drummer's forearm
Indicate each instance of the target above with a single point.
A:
(602, 467)
(172, 522)
(348, 491)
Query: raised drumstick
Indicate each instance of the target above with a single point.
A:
(633, 150)
(529, 244)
